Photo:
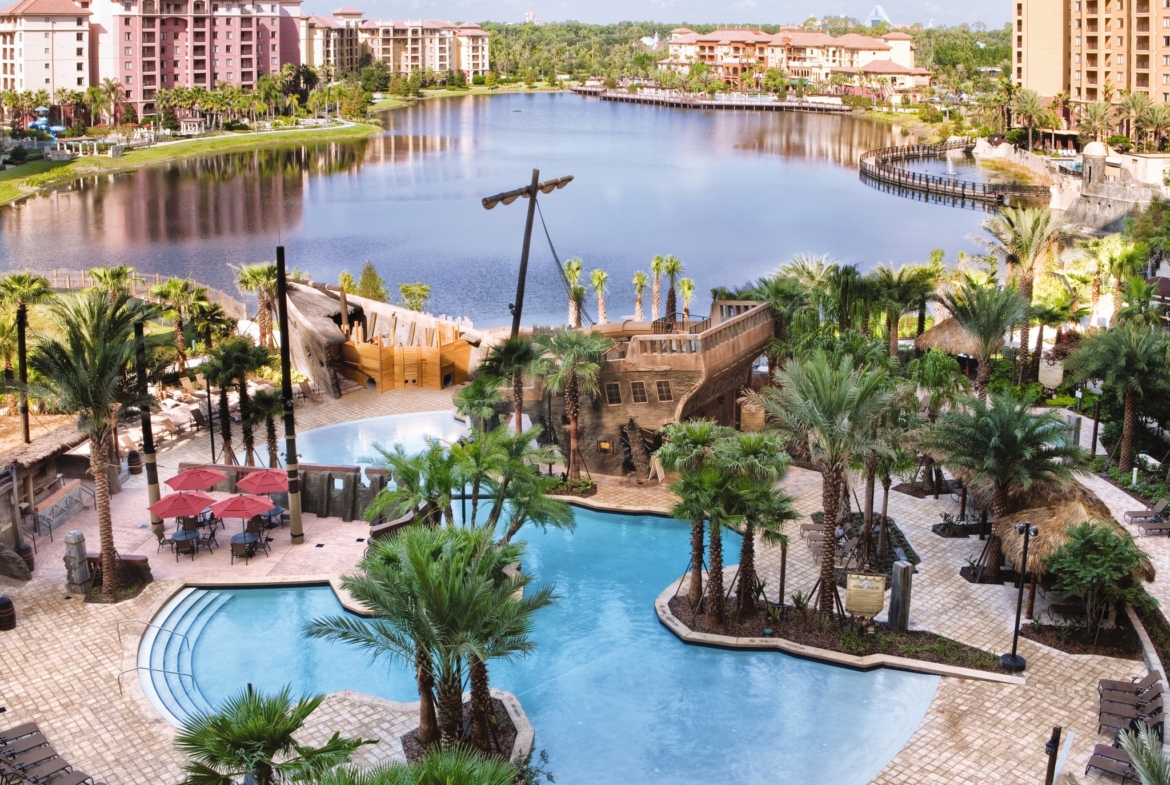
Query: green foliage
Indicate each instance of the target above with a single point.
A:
(415, 295)
(375, 77)
(130, 115)
(370, 285)
(1096, 564)
(346, 283)
(456, 766)
(1119, 142)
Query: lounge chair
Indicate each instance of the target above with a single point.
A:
(1152, 512)
(42, 772)
(128, 443)
(1127, 698)
(806, 528)
(307, 392)
(1109, 765)
(171, 429)
(18, 731)
(190, 388)
(24, 744)
(199, 418)
(1152, 708)
(76, 778)
(1153, 525)
(241, 551)
(1133, 685)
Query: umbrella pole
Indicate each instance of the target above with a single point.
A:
(286, 393)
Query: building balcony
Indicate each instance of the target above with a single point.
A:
(148, 65)
(150, 8)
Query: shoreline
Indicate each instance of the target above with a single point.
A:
(34, 177)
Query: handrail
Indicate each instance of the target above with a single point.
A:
(118, 628)
(152, 670)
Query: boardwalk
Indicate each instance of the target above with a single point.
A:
(74, 280)
(763, 103)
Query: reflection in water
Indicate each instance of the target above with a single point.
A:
(734, 194)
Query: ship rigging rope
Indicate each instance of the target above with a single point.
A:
(585, 317)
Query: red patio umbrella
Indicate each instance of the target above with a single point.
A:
(266, 481)
(181, 505)
(197, 479)
(241, 506)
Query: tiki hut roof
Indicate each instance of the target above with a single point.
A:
(1053, 522)
(949, 336)
(60, 440)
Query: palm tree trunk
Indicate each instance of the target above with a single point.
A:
(830, 500)
(22, 369)
(695, 590)
(715, 576)
(601, 314)
(884, 529)
(1034, 373)
(921, 316)
(450, 708)
(428, 726)
(999, 510)
(655, 298)
(1129, 428)
(180, 346)
(265, 321)
(983, 377)
(870, 492)
(671, 303)
(573, 405)
(99, 467)
(892, 328)
(574, 311)
(1026, 293)
(475, 486)
(273, 453)
(745, 596)
(246, 425)
(518, 401)
(638, 308)
(225, 427)
(481, 706)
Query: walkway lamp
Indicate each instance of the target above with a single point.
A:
(1014, 663)
(528, 192)
(295, 528)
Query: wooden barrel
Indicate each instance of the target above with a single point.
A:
(134, 462)
(7, 614)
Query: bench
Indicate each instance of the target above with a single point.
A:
(388, 529)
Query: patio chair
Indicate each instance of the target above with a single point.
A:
(208, 539)
(171, 428)
(190, 388)
(183, 547)
(1152, 708)
(1151, 512)
(806, 528)
(1127, 698)
(1123, 717)
(256, 526)
(24, 744)
(199, 418)
(128, 443)
(43, 772)
(1109, 765)
(18, 731)
(1134, 685)
(307, 392)
(846, 551)
(1149, 526)
(241, 551)
(76, 778)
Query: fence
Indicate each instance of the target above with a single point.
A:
(73, 280)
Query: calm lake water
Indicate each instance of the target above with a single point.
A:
(734, 194)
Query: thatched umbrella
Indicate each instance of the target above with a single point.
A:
(949, 336)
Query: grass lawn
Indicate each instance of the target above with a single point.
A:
(20, 181)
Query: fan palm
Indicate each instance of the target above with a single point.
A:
(640, 281)
(1003, 449)
(82, 370)
(477, 401)
(19, 291)
(900, 291)
(260, 279)
(573, 277)
(111, 280)
(672, 268)
(251, 735)
(1030, 110)
(429, 478)
(1096, 120)
(1130, 362)
(831, 407)
(513, 360)
(686, 288)
(657, 268)
(211, 322)
(176, 296)
(787, 297)
(986, 313)
(571, 364)
(598, 279)
(267, 407)
(702, 495)
(455, 766)
(1138, 306)
(1133, 108)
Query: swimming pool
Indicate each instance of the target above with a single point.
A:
(355, 442)
(614, 696)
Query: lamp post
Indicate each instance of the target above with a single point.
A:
(290, 429)
(152, 491)
(528, 192)
(1014, 663)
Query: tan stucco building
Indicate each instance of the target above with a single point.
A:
(44, 45)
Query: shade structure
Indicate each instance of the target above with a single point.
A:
(266, 481)
(197, 479)
(181, 505)
(241, 506)
(950, 336)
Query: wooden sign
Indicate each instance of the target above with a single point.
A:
(865, 594)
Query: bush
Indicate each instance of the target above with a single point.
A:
(1096, 564)
(1017, 136)
(18, 155)
(928, 114)
(478, 79)
(857, 101)
(234, 125)
(1119, 143)
(130, 115)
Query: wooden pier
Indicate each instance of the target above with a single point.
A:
(878, 167)
(764, 104)
(76, 280)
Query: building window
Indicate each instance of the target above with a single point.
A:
(638, 391)
(274, 61)
(81, 36)
(79, 67)
(80, 52)
(79, 80)
(129, 66)
(129, 79)
(664, 393)
(127, 36)
(126, 21)
(126, 52)
(273, 34)
(613, 393)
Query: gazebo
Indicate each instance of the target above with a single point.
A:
(949, 336)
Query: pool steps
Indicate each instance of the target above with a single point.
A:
(170, 654)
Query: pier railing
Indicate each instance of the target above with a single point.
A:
(758, 102)
(879, 166)
(75, 280)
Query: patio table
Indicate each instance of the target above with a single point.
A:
(245, 538)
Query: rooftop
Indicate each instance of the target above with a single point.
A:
(44, 8)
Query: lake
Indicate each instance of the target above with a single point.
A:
(733, 194)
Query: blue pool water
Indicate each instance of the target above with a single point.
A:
(356, 441)
(614, 697)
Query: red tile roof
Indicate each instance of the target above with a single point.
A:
(347, 10)
(896, 36)
(855, 41)
(44, 8)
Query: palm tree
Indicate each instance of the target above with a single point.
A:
(176, 296)
(1144, 746)
(477, 401)
(1029, 109)
(1130, 361)
(19, 291)
(640, 281)
(571, 363)
(686, 288)
(252, 736)
(573, 277)
(261, 280)
(512, 360)
(82, 370)
(1096, 120)
(112, 97)
(1157, 122)
(529, 500)
(657, 268)
(211, 322)
(787, 297)
(686, 448)
(702, 496)
(7, 355)
(456, 766)
(267, 408)
(672, 268)
(1044, 315)
(597, 280)
(1004, 449)
(1132, 109)
(1138, 306)
(1027, 239)
(986, 313)
(112, 280)
(831, 408)
(249, 358)
(429, 479)
(520, 459)
(900, 291)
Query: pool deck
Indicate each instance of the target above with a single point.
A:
(59, 667)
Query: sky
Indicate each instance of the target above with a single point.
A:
(941, 12)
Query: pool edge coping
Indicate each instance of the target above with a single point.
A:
(865, 663)
(132, 641)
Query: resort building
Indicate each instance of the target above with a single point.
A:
(150, 44)
(407, 46)
(44, 45)
(1093, 50)
(332, 42)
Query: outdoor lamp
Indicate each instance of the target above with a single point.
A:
(1014, 663)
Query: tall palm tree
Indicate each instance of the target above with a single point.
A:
(176, 296)
(1096, 120)
(224, 368)
(260, 279)
(429, 478)
(1028, 239)
(477, 401)
(657, 268)
(82, 370)
(112, 97)
(640, 281)
(672, 268)
(573, 277)
(1132, 109)
(19, 291)
(1003, 448)
(1138, 305)
(513, 360)
(686, 288)
(900, 291)
(1030, 110)
(830, 407)
(112, 280)
(787, 297)
(1130, 362)
(1044, 315)
(249, 358)
(597, 280)
(571, 363)
(986, 313)
(702, 494)
(266, 408)
(456, 766)
(7, 356)
(251, 735)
